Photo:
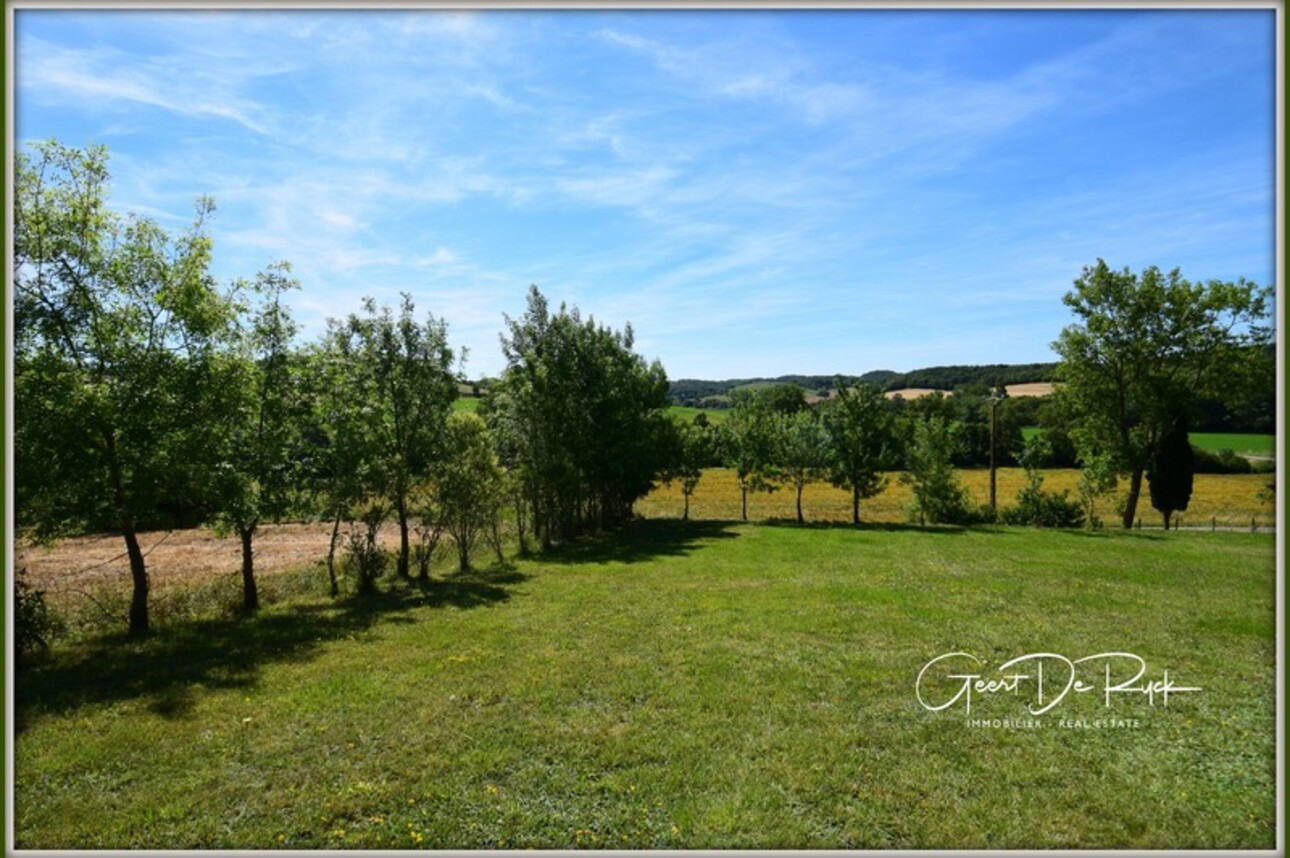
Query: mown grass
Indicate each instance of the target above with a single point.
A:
(1241, 443)
(1222, 500)
(686, 414)
(696, 685)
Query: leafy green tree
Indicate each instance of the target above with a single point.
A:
(938, 498)
(783, 398)
(1147, 347)
(581, 419)
(409, 398)
(858, 425)
(1169, 475)
(692, 451)
(118, 325)
(747, 443)
(258, 473)
(801, 451)
(347, 466)
(469, 485)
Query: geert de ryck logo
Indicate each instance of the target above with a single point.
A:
(1043, 680)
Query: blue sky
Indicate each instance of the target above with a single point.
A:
(758, 193)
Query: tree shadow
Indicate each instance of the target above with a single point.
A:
(869, 527)
(168, 666)
(641, 540)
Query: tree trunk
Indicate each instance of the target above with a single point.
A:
(405, 546)
(331, 556)
(743, 497)
(138, 571)
(1131, 502)
(686, 515)
(139, 575)
(1167, 514)
(800, 519)
(250, 595)
(855, 505)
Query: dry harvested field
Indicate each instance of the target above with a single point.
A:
(914, 392)
(1231, 499)
(1034, 388)
(74, 570)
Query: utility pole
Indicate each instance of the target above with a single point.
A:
(995, 398)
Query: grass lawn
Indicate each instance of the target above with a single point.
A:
(1241, 443)
(466, 403)
(695, 685)
(686, 414)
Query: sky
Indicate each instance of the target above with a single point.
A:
(757, 193)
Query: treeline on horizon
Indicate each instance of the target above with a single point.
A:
(1211, 414)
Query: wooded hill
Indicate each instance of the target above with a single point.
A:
(698, 392)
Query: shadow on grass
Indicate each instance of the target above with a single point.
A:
(167, 666)
(868, 527)
(640, 541)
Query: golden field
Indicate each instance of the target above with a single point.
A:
(1228, 500)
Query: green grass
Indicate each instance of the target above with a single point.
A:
(466, 403)
(703, 685)
(687, 414)
(1241, 443)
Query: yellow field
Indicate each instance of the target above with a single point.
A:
(1232, 500)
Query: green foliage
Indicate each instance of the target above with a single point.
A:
(861, 442)
(1148, 347)
(1035, 506)
(580, 419)
(694, 447)
(937, 496)
(1220, 462)
(1169, 475)
(117, 370)
(800, 450)
(468, 487)
(748, 447)
(34, 625)
(364, 558)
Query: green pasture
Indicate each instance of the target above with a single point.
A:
(698, 685)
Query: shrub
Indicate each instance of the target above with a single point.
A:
(33, 623)
(1222, 462)
(1039, 508)
(1036, 507)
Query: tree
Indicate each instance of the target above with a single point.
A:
(937, 496)
(858, 427)
(117, 329)
(1147, 347)
(693, 449)
(581, 418)
(468, 488)
(412, 388)
(348, 466)
(747, 444)
(783, 398)
(1169, 475)
(258, 471)
(801, 451)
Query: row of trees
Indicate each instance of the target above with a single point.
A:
(147, 394)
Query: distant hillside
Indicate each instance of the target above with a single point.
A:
(715, 394)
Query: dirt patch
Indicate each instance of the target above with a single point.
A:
(175, 558)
